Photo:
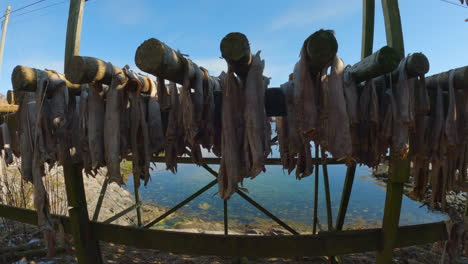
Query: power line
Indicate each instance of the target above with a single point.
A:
(37, 9)
(455, 4)
(23, 7)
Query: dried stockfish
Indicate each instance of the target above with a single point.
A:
(112, 137)
(339, 136)
(173, 130)
(254, 118)
(232, 169)
(96, 125)
(26, 133)
(155, 128)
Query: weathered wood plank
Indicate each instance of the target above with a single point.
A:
(325, 243)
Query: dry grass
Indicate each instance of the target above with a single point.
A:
(15, 191)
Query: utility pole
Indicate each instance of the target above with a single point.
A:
(4, 29)
(87, 247)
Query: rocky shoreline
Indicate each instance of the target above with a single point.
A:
(456, 200)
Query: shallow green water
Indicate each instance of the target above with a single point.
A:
(289, 199)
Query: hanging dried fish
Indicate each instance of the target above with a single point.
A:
(232, 169)
(156, 135)
(173, 130)
(41, 200)
(164, 98)
(298, 156)
(207, 126)
(437, 139)
(58, 114)
(83, 130)
(192, 109)
(139, 137)
(369, 152)
(96, 125)
(305, 99)
(339, 136)
(254, 118)
(112, 121)
(451, 118)
(26, 133)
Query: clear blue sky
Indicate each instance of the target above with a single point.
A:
(113, 29)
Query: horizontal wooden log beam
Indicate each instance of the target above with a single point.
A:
(158, 59)
(269, 161)
(82, 69)
(8, 108)
(325, 243)
(25, 79)
(379, 63)
(460, 81)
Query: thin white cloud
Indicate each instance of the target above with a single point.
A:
(214, 65)
(127, 13)
(313, 12)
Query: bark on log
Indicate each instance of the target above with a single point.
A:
(380, 62)
(235, 49)
(25, 79)
(8, 108)
(155, 57)
(82, 69)
(461, 79)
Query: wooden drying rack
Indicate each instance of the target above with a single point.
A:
(157, 58)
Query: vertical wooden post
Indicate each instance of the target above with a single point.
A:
(226, 227)
(75, 19)
(399, 168)
(368, 14)
(316, 190)
(137, 202)
(326, 186)
(87, 248)
(399, 174)
(393, 28)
